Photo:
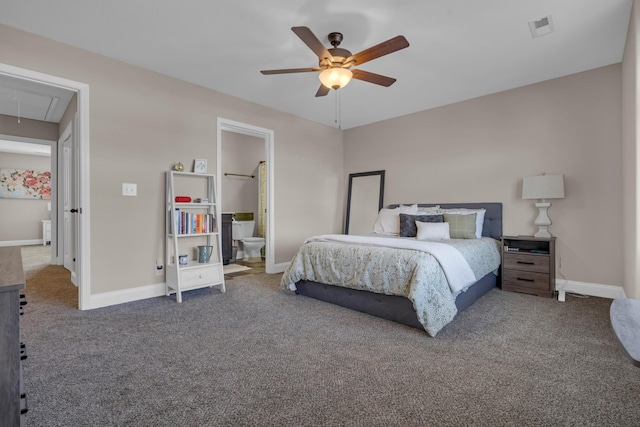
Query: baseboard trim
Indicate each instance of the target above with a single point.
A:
(278, 268)
(107, 299)
(124, 296)
(156, 290)
(591, 289)
(21, 242)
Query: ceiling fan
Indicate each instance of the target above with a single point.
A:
(335, 64)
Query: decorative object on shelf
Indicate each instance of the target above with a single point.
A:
(183, 199)
(200, 166)
(178, 167)
(183, 259)
(543, 187)
(204, 253)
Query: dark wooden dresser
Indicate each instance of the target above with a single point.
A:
(12, 399)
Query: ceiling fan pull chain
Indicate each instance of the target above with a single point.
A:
(17, 99)
(338, 118)
(335, 118)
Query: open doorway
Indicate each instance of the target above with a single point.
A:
(27, 217)
(265, 135)
(80, 169)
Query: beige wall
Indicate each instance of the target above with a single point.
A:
(141, 123)
(479, 150)
(630, 69)
(28, 128)
(21, 218)
(241, 154)
(69, 115)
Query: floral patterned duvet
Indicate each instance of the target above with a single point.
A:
(411, 273)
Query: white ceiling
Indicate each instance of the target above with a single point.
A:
(459, 49)
(26, 99)
(7, 146)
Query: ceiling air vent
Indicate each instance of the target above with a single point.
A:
(541, 27)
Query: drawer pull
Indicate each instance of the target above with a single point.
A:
(525, 280)
(525, 262)
(24, 405)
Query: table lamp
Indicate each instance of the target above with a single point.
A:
(543, 187)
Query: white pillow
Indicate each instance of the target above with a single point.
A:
(464, 211)
(431, 210)
(388, 220)
(432, 230)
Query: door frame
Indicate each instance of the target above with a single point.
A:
(267, 136)
(83, 264)
(66, 167)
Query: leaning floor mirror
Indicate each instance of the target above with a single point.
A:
(364, 201)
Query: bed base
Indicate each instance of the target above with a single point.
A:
(400, 309)
(391, 307)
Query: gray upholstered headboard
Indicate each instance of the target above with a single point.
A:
(492, 226)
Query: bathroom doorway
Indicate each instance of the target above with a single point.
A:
(241, 148)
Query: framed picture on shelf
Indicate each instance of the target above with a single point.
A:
(200, 166)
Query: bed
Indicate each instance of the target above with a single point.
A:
(431, 307)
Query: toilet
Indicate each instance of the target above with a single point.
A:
(242, 231)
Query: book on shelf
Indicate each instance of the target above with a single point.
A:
(193, 223)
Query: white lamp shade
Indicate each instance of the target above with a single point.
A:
(543, 187)
(336, 78)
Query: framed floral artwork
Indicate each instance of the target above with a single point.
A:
(200, 165)
(25, 184)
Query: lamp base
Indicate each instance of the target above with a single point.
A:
(543, 221)
(542, 232)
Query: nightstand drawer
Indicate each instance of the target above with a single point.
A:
(525, 279)
(527, 262)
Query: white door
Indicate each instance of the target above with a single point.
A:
(69, 210)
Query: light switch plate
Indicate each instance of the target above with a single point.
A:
(129, 189)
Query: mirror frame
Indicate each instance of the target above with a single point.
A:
(381, 193)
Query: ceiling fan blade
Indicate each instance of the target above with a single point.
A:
(384, 48)
(373, 78)
(289, 70)
(322, 91)
(310, 39)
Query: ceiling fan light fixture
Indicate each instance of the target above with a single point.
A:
(335, 78)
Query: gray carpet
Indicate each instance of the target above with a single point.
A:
(257, 356)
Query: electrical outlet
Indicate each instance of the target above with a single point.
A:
(129, 189)
(159, 270)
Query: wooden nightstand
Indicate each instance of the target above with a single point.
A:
(529, 265)
(46, 231)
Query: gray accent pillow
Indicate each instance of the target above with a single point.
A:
(408, 223)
